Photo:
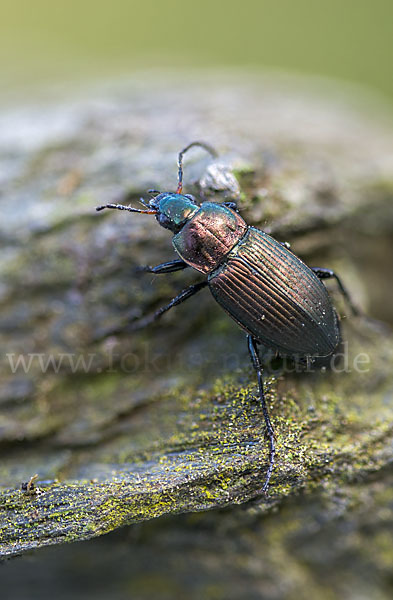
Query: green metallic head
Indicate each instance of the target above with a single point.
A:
(173, 210)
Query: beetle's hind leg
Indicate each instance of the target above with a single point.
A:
(329, 274)
(253, 350)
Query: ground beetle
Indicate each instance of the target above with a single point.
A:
(278, 300)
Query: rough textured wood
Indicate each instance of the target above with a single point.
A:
(122, 427)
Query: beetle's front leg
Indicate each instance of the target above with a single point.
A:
(328, 274)
(253, 350)
(167, 267)
(231, 205)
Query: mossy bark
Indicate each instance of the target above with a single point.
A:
(125, 426)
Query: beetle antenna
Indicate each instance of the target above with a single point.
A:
(152, 192)
(206, 147)
(143, 202)
(149, 211)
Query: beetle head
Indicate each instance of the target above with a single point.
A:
(173, 210)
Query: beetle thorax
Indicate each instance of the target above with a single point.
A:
(208, 235)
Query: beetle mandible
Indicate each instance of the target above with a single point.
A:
(279, 301)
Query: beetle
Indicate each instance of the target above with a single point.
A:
(272, 294)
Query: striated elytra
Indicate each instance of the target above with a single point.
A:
(275, 297)
(279, 301)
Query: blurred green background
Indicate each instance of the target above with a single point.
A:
(45, 41)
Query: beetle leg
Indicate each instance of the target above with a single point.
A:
(231, 205)
(145, 321)
(184, 295)
(328, 274)
(167, 267)
(253, 350)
